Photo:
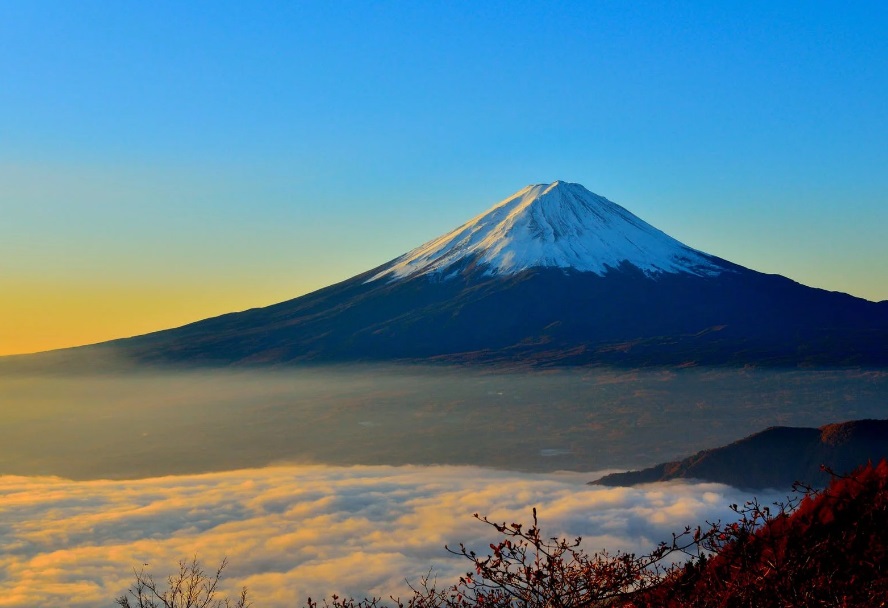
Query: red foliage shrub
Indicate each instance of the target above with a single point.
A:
(831, 549)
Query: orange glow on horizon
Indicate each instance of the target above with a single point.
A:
(39, 317)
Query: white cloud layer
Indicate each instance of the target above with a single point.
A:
(295, 531)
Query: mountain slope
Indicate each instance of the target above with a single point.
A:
(553, 275)
(776, 457)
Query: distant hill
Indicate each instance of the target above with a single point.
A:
(775, 457)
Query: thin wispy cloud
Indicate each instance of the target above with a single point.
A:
(295, 531)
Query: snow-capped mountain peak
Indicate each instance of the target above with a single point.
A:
(561, 225)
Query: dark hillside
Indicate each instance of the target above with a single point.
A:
(775, 457)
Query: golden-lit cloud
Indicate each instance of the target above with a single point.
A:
(291, 532)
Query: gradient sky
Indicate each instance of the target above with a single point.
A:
(164, 162)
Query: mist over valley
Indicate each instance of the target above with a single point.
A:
(149, 423)
(349, 479)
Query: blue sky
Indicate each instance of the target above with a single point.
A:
(164, 162)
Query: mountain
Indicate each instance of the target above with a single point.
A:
(552, 275)
(774, 458)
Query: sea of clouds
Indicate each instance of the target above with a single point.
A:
(291, 532)
(158, 467)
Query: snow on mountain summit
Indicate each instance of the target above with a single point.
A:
(559, 225)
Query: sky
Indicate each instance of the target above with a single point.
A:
(161, 163)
